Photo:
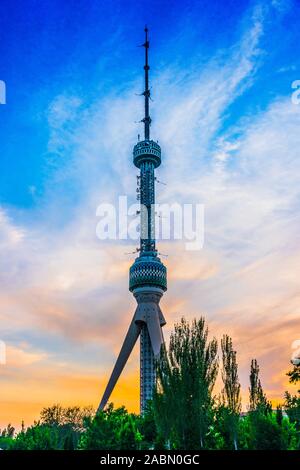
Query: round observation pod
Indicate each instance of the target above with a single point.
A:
(150, 272)
(147, 151)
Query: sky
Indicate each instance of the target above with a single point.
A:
(221, 77)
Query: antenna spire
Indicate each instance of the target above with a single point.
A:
(146, 93)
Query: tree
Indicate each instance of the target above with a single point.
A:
(183, 414)
(69, 442)
(147, 427)
(69, 422)
(261, 431)
(292, 402)
(279, 415)
(294, 375)
(292, 408)
(52, 415)
(37, 437)
(58, 428)
(72, 416)
(186, 375)
(6, 437)
(265, 429)
(231, 405)
(257, 397)
(111, 429)
(8, 431)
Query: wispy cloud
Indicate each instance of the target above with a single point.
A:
(61, 282)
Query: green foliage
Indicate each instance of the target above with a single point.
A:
(112, 429)
(227, 422)
(259, 431)
(290, 434)
(37, 437)
(72, 416)
(6, 442)
(258, 399)
(147, 426)
(231, 403)
(292, 408)
(279, 415)
(69, 442)
(231, 393)
(9, 431)
(292, 402)
(183, 403)
(262, 429)
(58, 428)
(294, 375)
(6, 437)
(184, 413)
(214, 439)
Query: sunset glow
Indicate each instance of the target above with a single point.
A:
(230, 140)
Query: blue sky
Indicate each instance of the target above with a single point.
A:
(221, 75)
(89, 49)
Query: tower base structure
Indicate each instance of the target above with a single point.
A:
(147, 322)
(151, 319)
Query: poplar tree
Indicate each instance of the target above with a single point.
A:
(231, 392)
(257, 398)
(186, 376)
(292, 402)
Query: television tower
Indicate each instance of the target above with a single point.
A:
(147, 275)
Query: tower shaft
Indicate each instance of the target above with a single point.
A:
(147, 368)
(147, 197)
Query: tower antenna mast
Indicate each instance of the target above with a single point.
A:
(146, 93)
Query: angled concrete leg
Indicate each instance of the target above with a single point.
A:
(155, 333)
(129, 342)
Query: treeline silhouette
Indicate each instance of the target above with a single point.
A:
(184, 413)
